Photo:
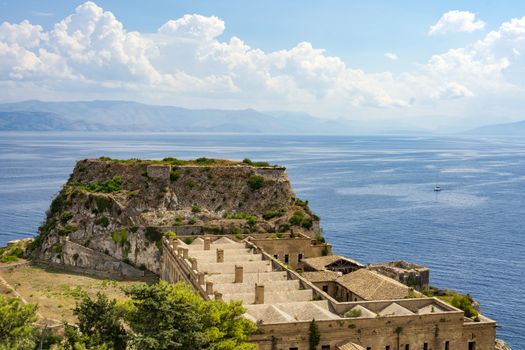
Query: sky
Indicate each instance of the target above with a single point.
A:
(433, 65)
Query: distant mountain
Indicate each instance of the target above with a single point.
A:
(507, 129)
(132, 116)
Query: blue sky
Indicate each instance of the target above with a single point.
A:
(367, 60)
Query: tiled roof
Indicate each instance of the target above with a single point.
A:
(371, 285)
(321, 276)
(320, 262)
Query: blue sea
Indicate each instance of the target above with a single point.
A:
(374, 195)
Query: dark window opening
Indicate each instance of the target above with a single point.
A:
(299, 257)
(387, 347)
(471, 345)
(294, 348)
(407, 347)
(368, 348)
(325, 347)
(286, 259)
(425, 346)
(276, 256)
(447, 345)
(325, 289)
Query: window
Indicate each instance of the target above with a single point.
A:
(425, 346)
(325, 347)
(447, 345)
(387, 347)
(368, 348)
(286, 259)
(276, 256)
(325, 289)
(407, 346)
(471, 345)
(294, 348)
(299, 257)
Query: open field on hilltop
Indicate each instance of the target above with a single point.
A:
(55, 291)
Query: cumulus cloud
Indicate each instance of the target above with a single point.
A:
(456, 21)
(391, 56)
(90, 54)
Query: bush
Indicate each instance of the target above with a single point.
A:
(255, 182)
(301, 203)
(255, 164)
(120, 237)
(175, 174)
(307, 223)
(103, 221)
(353, 313)
(296, 218)
(65, 217)
(270, 214)
(6, 259)
(16, 324)
(65, 231)
(170, 234)
(204, 161)
(109, 186)
(103, 203)
(196, 208)
(153, 234)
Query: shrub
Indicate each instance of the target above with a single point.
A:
(67, 230)
(315, 336)
(320, 239)
(153, 234)
(65, 217)
(120, 237)
(255, 164)
(103, 203)
(307, 223)
(255, 182)
(175, 174)
(134, 229)
(104, 158)
(296, 218)
(170, 234)
(196, 208)
(353, 313)
(301, 203)
(109, 186)
(8, 259)
(192, 221)
(270, 214)
(204, 161)
(103, 221)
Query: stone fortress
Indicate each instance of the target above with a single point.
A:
(236, 231)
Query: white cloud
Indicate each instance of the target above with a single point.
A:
(457, 21)
(391, 56)
(90, 54)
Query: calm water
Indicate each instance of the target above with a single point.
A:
(374, 196)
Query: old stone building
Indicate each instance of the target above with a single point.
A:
(283, 303)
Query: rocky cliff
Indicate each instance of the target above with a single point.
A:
(111, 214)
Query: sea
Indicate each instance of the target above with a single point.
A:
(375, 196)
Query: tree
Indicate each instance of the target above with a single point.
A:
(99, 325)
(315, 335)
(16, 324)
(172, 316)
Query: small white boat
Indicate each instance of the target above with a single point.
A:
(437, 188)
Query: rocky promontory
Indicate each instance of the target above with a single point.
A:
(111, 214)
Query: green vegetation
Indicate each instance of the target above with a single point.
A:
(66, 230)
(16, 324)
(314, 336)
(276, 235)
(461, 301)
(296, 218)
(11, 253)
(196, 208)
(65, 217)
(255, 164)
(301, 203)
(353, 313)
(120, 237)
(170, 234)
(102, 221)
(175, 174)
(202, 161)
(255, 182)
(109, 186)
(103, 203)
(250, 218)
(153, 234)
(270, 214)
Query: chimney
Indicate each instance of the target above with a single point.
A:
(209, 288)
(207, 243)
(220, 255)
(259, 294)
(238, 274)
